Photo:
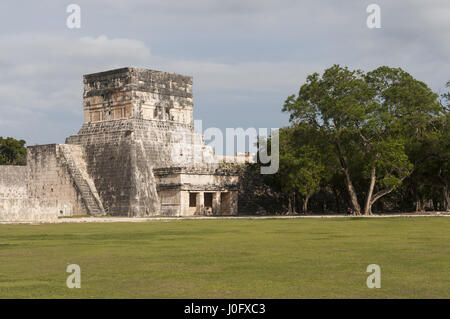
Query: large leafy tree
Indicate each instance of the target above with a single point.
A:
(301, 168)
(369, 119)
(430, 152)
(435, 160)
(12, 151)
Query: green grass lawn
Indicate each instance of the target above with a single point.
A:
(271, 258)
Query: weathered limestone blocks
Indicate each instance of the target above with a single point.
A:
(47, 188)
(74, 158)
(121, 174)
(13, 181)
(49, 178)
(137, 93)
(29, 210)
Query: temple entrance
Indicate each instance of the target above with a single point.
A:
(208, 202)
(193, 203)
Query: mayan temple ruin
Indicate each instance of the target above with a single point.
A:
(136, 155)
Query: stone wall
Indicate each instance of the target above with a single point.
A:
(54, 184)
(171, 202)
(49, 179)
(29, 210)
(15, 203)
(13, 181)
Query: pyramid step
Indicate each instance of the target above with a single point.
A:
(78, 170)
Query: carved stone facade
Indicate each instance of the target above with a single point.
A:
(137, 153)
(194, 190)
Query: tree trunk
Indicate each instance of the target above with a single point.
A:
(435, 204)
(338, 208)
(348, 181)
(291, 208)
(352, 193)
(420, 206)
(383, 192)
(294, 210)
(368, 205)
(290, 205)
(305, 205)
(446, 193)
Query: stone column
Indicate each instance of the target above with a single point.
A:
(216, 203)
(200, 203)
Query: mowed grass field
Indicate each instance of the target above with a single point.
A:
(244, 258)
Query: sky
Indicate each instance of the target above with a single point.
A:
(246, 56)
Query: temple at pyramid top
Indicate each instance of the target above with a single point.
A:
(128, 93)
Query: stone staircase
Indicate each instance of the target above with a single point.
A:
(73, 155)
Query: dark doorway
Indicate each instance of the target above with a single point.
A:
(193, 199)
(208, 199)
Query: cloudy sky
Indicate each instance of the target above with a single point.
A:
(246, 56)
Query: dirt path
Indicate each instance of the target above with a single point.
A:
(153, 219)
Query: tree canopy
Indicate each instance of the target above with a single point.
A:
(12, 151)
(371, 130)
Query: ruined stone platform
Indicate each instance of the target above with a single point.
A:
(136, 155)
